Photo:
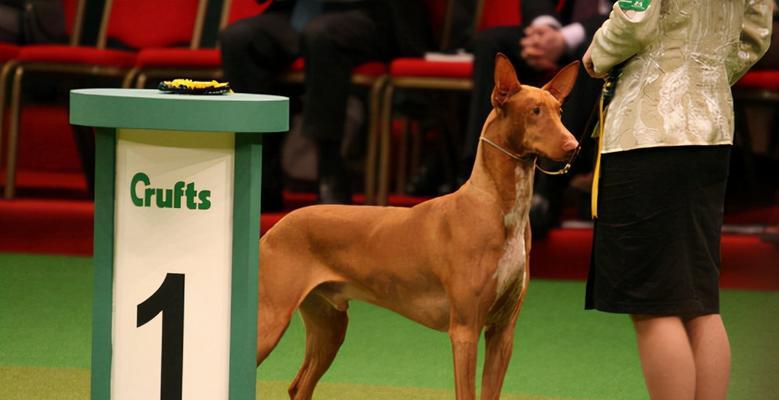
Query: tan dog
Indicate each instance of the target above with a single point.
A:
(457, 263)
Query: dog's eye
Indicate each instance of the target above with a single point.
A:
(537, 110)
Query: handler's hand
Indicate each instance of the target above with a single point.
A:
(542, 47)
(589, 67)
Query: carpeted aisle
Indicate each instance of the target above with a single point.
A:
(561, 351)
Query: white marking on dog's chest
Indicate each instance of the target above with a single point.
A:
(511, 265)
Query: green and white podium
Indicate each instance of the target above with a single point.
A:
(177, 205)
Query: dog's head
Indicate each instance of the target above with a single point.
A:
(534, 113)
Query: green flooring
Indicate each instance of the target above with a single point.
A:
(561, 351)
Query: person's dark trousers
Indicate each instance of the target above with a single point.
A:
(256, 49)
(332, 45)
(254, 52)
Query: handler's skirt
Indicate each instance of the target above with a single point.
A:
(656, 247)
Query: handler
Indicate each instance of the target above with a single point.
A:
(665, 148)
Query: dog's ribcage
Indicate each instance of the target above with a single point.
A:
(511, 265)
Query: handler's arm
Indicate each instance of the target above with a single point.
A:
(755, 38)
(622, 36)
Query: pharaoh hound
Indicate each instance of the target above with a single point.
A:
(456, 263)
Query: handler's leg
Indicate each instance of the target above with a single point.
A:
(711, 350)
(333, 44)
(666, 357)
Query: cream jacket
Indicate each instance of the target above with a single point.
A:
(681, 56)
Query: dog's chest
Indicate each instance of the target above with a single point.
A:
(512, 263)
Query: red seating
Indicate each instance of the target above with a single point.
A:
(501, 13)
(191, 62)
(75, 55)
(8, 51)
(759, 79)
(47, 161)
(179, 58)
(133, 23)
(147, 24)
(430, 69)
(240, 9)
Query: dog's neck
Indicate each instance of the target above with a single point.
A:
(509, 180)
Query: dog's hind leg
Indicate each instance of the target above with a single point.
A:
(325, 331)
(270, 326)
(279, 297)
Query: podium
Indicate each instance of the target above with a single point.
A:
(177, 205)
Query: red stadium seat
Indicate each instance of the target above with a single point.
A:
(8, 52)
(133, 24)
(766, 80)
(193, 62)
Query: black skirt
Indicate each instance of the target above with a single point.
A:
(656, 247)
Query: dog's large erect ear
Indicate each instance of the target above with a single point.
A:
(560, 86)
(506, 82)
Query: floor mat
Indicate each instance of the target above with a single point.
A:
(561, 351)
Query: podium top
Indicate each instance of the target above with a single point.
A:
(152, 109)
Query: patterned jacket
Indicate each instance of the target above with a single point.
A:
(679, 59)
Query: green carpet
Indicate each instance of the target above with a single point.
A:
(561, 352)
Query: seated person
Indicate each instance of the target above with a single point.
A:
(348, 33)
(255, 51)
(32, 21)
(345, 34)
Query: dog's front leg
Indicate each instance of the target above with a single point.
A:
(500, 343)
(465, 340)
(500, 336)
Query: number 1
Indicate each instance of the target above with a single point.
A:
(168, 300)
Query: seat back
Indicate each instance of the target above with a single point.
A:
(233, 10)
(491, 13)
(152, 23)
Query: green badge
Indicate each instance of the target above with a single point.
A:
(636, 5)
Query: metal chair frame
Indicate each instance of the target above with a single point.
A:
(380, 162)
(18, 69)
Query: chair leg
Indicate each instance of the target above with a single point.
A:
(416, 150)
(13, 133)
(373, 139)
(384, 146)
(400, 178)
(140, 81)
(127, 82)
(8, 67)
